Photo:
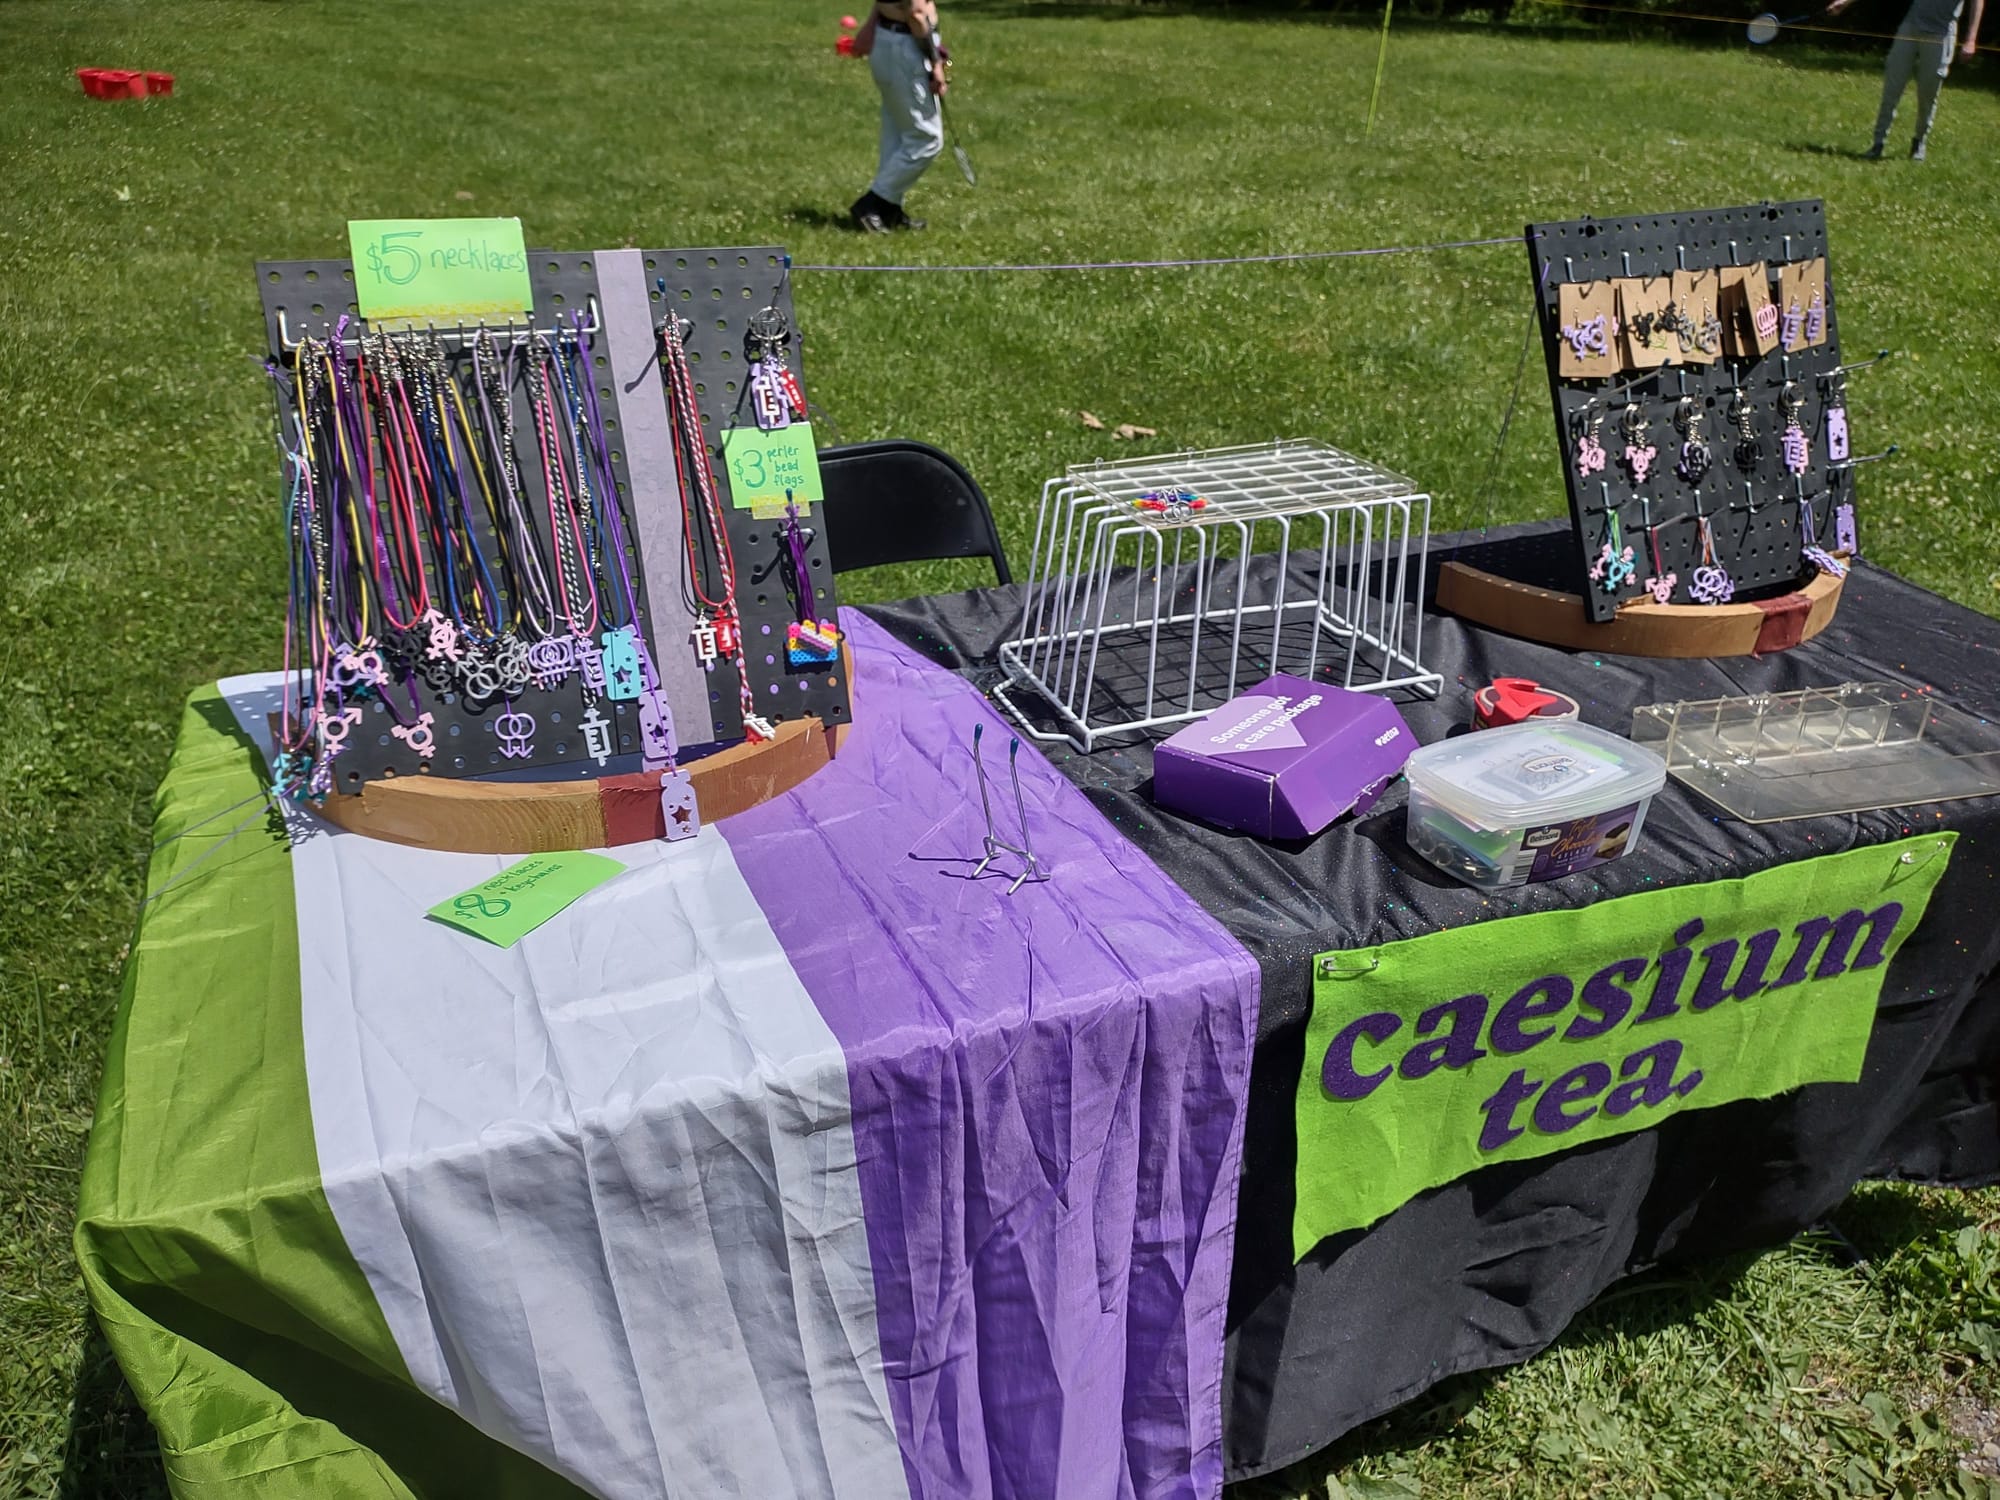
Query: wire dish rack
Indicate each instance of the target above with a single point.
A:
(1159, 588)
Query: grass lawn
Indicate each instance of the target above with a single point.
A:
(140, 546)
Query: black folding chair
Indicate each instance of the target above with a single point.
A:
(898, 502)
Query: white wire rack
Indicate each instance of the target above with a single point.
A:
(1299, 558)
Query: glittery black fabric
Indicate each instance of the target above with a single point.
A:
(1488, 1270)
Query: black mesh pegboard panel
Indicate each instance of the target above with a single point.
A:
(308, 298)
(1760, 513)
(715, 292)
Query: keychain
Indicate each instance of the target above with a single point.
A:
(1798, 452)
(1748, 451)
(1661, 584)
(1638, 456)
(1589, 448)
(1694, 446)
(1712, 583)
(1614, 566)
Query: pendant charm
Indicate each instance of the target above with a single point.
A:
(1766, 320)
(1798, 453)
(657, 742)
(1815, 319)
(703, 636)
(443, 637)
(809, 643)
(516, 731)
(1694, 462)
(288, 775)
(333, 730)
(1589, 455)
(479, 677)
(1712, 585)
(622, 675)
(596, 735)
(679, 812)
(728, 635)
(1795, 322)
(1639, 454)
(1639, 461)
(1662, 588)
(1612, 569)
(1844, 536)
(510, 659)
(793, 392)
(551, 660)
(757, 729)
(767, 399)
(417, 736)
(589, 665)
(1836, 434)
(1825, 561)
(1588, 338)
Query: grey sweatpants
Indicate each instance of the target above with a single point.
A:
(912, 118)
(1929, 57)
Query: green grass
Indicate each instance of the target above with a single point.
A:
(139, 544)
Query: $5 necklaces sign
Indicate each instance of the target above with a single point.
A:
(1515, 1038)
(443, 270)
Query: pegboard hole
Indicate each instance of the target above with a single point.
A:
(348, 274)
(715, 293)
(554, 269)
(312, 276)
(272, 277)
(730, 386)
(561, 748)
(686, 294)
(712, 263)
(742, 260)
(681, 261)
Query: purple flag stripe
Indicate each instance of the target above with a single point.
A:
(1048, 1093)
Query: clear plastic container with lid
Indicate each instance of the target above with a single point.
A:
(1530, 801)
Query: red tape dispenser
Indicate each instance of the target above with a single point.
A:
(1513, 700)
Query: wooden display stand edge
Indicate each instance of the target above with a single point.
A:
(541, 817)
(1642, 629)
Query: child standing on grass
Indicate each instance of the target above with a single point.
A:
(900, 41)
(1923, 45)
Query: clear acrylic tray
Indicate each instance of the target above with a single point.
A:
(1851, 748)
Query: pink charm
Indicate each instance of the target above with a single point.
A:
(1712, 585)
(1639, 461)
(1589, 455)
(333, 729)
(1603, 561)
(1844, 536)
(1798, 453)
(443, 637)
(678, 809)
(1662, 588)
(1836, 434)
(516, 731)
(1618, 571)
(1795, 322)
(417, 736)
(1767, 321)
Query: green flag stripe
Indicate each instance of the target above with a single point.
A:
(210, 1254)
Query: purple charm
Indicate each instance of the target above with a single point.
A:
(1639, 461)
(1587, 338)
(551, 660)
(1825, 561)
(678, 809)
(1844, 536)
(590, 663)
(657, 740)
(1712, 585)
(1798, 452)
(1836, 434)
(1662, 588)
(1795, 322)
(1589, 455)
(767, 399)
(517, 732)
(1694, 462)
(1815, 319)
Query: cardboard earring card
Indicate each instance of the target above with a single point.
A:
(1750, 317)
(1802, 304)
(1647, 323)
(1697, 320)
(1587, 317)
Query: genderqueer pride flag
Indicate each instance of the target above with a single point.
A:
(791, 1162)
(1431, 1057)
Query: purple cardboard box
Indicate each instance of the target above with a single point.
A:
(1283, 760)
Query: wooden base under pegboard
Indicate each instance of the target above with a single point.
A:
(1556, 618)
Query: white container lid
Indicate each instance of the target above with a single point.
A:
(1537, 771)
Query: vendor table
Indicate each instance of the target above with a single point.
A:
(795, 1161)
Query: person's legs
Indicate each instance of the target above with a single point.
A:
(910, 114)
(1933, 62)
(1895, 78)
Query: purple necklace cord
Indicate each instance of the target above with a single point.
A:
(1176, 265)
(801, 568)
(607, 489)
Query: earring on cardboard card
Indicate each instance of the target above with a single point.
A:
(1688, 418)
(1748, 452)
(1708, 332)
(1798, 452)
(1712, 583)
(1639, 454)
(1590, 338)
(1589, 446)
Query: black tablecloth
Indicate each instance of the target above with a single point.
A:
(1489, 1269)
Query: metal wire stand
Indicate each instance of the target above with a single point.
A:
(1299, 558)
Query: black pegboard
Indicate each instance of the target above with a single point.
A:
(307, 298)
(715, 292)
(1755, 517)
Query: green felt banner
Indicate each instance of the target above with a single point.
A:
(439, 270)
(1516, 1038)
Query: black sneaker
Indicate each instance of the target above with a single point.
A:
(871, 214)
(1873, 153)
(904, 221)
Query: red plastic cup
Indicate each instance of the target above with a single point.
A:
(92, 80)
(849, 22)
(844, 46)
(159, 83)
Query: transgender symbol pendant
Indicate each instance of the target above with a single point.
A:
(679, 814)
